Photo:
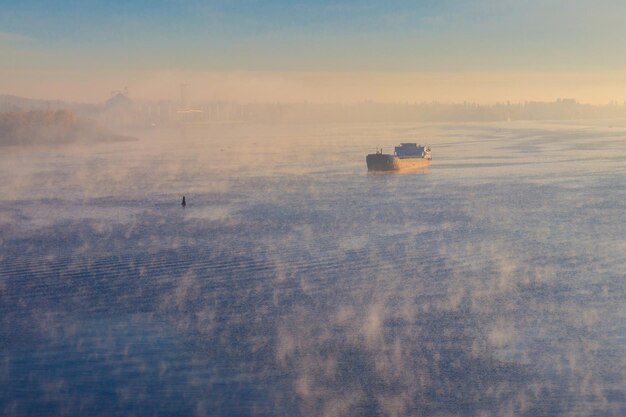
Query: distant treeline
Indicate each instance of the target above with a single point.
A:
(165, 112)
(121, 111)
(48, 127)
(567, 109)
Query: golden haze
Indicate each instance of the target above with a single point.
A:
(322, 87)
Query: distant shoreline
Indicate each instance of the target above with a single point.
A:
(52, 127)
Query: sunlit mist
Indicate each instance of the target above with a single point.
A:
(313, 208)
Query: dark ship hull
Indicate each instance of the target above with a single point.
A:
(382, 162)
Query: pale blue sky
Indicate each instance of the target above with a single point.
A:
(488, 36)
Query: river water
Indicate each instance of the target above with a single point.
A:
(294, 283)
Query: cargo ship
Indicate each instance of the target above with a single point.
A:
(405, 156)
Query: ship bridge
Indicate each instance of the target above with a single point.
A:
(409, 149)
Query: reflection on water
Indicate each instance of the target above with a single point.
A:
(294, 283)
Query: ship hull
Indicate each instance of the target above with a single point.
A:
(383, 162)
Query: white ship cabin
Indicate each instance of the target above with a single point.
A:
(409, 149)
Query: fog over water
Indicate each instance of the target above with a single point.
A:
(294, 283)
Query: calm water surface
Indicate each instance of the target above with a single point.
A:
(296, 284)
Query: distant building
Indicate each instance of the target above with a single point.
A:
(118, 100)
(566, 101)
(119, 110)
(190, 116)
(184, 98)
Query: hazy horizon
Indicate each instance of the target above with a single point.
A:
(322, 88)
